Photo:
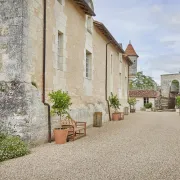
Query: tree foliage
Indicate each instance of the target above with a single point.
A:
(143, 82)
(61, 103)
(114, 102)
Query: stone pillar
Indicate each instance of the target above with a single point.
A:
(21, 110)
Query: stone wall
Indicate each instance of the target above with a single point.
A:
(166, 81)
(21, 109)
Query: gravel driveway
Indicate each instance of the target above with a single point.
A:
(145, 146)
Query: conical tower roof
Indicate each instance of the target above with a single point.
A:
(130, 50)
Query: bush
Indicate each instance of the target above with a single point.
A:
(12, 147)
(178, 102)
(148, 105)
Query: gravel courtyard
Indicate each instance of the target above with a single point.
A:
(145, 146)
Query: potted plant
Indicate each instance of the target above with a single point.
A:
(148, 107)
(132, 102)
(178, 104)
(114, 103)
(61, 102)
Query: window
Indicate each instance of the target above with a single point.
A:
(60, 1)
(146, 100)
(60, 52)
(111, 63)
(88, 65)
(89, 24)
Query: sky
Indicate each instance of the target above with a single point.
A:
(153, 26)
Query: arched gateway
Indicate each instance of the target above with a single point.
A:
(170, 89)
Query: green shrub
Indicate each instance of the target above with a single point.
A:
(114, 102)
(148, 105)
(61, 103)
(143, 109)
(12, 147)
(178, 102)
(132, 102)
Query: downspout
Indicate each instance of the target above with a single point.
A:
(44, 72)
(106, 81)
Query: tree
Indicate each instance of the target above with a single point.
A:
(143, 82)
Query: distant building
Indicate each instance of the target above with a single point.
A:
(134, 57)
(169, 89)
(143, 97)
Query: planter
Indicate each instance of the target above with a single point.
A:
(148, 110)
(121, 116)
(132, 110)
(116, 116)
(60, 135)
(177, 110)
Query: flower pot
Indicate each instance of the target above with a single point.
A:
(116, 116)
(148, 110)
(60, 135)
(121, 116)
(132, 110)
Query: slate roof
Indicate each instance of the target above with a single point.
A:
(85, 7)
(143, 93)
(109, 36)
(130, 50)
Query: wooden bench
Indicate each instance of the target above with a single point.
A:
(75, 129)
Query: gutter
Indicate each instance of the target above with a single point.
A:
(106, 82)
(44, 72)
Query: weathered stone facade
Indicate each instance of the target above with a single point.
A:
(166, 83)
(21, 62)
(21, 108)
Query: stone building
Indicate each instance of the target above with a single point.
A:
(134, 58)
(143, 97)
(49, 45)
(169, 89)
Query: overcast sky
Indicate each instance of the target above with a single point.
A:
(153, 26)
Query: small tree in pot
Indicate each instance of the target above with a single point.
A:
(132, 102)
(178, 104)
(61, 101)
(114, 103)
(148, 106)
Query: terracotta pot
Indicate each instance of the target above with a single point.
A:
(121, 116)
(132, 111)
(60, 135)
(116, 116)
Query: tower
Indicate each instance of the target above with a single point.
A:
(134, 57)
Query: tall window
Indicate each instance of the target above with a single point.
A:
(88, 64)
(111, 63)
(89, 24)
(146, 100)
(60, 52)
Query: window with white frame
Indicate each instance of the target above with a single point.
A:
(60, 52)
(88, 65)
(89, 24)
(146, 100)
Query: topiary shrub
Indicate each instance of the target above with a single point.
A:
(12, 147)
(148, 105)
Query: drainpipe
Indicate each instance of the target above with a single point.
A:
(106, 88)
(44, 73)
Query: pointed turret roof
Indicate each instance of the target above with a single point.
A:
(130, 50)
